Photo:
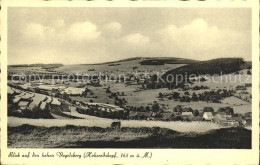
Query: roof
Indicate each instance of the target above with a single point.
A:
(166, 115)
(219, 117)
(187, 114)
(132, 113)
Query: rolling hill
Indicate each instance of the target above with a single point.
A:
(211, 67)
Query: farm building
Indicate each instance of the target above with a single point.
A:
(207, 116)
(219, 117)
(186, 114)
(166, 116)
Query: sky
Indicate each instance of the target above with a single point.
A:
(94, 35)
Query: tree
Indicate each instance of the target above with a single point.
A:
(147, 109)
(155, 106)
(160, 95)
(176, 95)
(108, 90)
(208, 109)
(196, 113)
(194, 97)
(249, 72)
(178, 108)
(186, 93)
(229, 111)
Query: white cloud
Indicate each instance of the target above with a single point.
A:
(199, 38)
(34, 31)
(113, 27)
(59, 23)
(60, 33)
(83, 31)
(136, 39)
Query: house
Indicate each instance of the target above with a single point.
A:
(186, 114)
(219, 118)
(207, 116)
(167, 116)
(223, 114)
(132, 115)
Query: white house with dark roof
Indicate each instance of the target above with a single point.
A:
(207, 116)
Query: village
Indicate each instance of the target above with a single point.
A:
(46, 101)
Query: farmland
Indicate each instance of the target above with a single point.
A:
(137, 101)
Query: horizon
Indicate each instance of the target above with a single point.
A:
(118, 61)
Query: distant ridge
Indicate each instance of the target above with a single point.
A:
(148, 60)
(43, 66)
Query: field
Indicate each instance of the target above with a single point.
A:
(123, 67)
(92, 121)
(95, 137)
(76, 124)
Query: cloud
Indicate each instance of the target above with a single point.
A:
(59, 23)
(83, 31)
(79, 31)
(36, 31)
(113, 27)
(199, 38)
(136, 39)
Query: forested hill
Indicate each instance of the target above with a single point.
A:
(211, 67)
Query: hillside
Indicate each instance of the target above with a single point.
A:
(130, 65)
(211, 67)
(86, 137)
(165, 60)
(150, 61)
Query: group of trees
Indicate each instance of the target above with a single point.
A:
(179, 109)
(96, 111)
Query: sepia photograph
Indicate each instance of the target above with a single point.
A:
(129, 77)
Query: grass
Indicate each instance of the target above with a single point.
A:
(27, 136)
(91, 121)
